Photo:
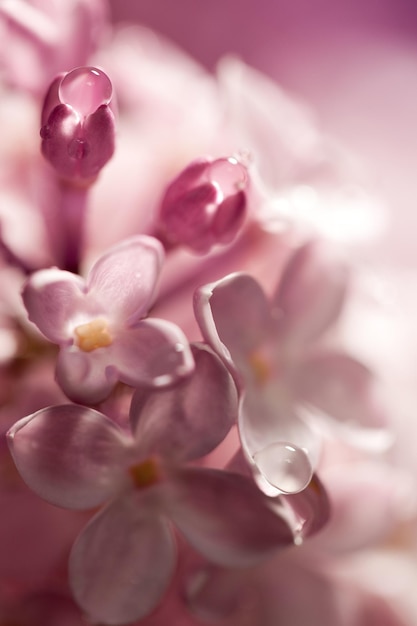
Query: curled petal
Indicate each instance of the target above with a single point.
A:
(225, 517)
(155, 353)
(122, 563)
(311, 292)
(52, 297)
(312, 507)
(282, 449)
(344, 389)
(233, 315)
(124, 278)
(191, 419)
(70, 455)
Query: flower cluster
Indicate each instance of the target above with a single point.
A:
(173, 375)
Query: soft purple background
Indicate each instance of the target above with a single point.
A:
(355, 61)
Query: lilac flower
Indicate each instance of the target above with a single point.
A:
(78, 124)
(77, 458)
(98, 323)
(205, 204)
(290, 382)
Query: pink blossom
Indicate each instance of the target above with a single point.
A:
(81, 459)
(287, 374)
(98, 323)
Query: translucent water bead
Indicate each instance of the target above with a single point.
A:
(230, 175)
(284, 467)
(85, 89)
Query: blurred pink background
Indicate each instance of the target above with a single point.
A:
(354, 61)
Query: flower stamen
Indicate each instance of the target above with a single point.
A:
(145, 474)
(93, 335)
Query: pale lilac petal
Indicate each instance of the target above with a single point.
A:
(279, 444)
(213, 593)
(369, 502)
(311, 292)
(52, 297)
(154, 353)
(123, 280)
(225, 517)
(85, 377)
(122, 563)
(312, 507)
(233, 315)
(343, 388)
(70, 455)
(191, 419)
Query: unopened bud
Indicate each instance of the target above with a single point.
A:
(78, 127)
(205, 205)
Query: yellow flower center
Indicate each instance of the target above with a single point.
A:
(93, 335)
(145, 474)
(261, 368)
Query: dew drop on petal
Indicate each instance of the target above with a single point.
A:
(85, 89)
(285, 466)
(230, 175)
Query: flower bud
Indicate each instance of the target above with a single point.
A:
(205, 205)
(78, 127)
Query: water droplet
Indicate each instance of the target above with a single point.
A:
(85, 89)
(229, 174)
(78, 149)
(284, 466)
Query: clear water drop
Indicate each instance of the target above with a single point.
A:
(230, 175)
(85, 89)
(284, 466)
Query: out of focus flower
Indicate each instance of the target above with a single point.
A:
(44, 37)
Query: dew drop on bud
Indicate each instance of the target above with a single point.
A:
(230, 175)
(85, 89)
(284, 466)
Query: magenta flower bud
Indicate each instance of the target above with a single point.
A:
(205, 205)
(78, 127)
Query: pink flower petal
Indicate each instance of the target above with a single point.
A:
(369, 501)
(311, 505)
(225, 517)
(281, 446)
(122, 563)
(343, 388)
(154, 353)
(191, 419)
(85, 377)
(124, 278)
(311, 292)
(233, 315)
(52, 297)
(70, 455)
